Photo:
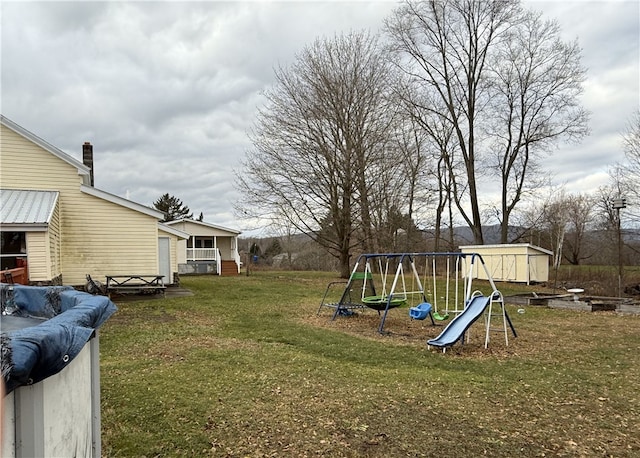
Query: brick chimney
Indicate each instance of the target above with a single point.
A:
(87, 158)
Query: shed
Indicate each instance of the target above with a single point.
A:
(518, 262)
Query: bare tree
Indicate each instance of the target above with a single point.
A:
(529, 219)
(629, 172)
(445, 46)
(606, 217)
(556, 219)
(419, 167)
(579, 209)
(503, 81)
(631, 145)
(536, 82)
(320, 144)
(432, 157)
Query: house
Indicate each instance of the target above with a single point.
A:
(210, 248)
(56, 227)
(518, 262)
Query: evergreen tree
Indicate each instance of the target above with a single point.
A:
(172, 207)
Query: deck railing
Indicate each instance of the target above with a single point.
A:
(17, 275)
(203, 254)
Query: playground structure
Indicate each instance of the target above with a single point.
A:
(434, 285)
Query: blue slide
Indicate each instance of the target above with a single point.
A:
(459, 325)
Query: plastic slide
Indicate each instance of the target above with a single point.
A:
(459, 325)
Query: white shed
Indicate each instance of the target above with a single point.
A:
(518, 262)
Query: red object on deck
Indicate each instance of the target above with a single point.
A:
(19, 275)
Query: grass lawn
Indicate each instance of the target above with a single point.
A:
(245, 368)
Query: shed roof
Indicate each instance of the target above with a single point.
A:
(26, 208)
(510, 245)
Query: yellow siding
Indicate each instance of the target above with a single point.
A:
(181, 251)
(54, 244)
(172, 249)
(96, 237)
(27, 166)
(101, 238)
(38, 256)
(515, 263)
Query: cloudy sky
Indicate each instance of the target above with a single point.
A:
(166, 91)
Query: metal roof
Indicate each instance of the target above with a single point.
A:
(27, 207)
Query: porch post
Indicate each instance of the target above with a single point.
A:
(218, 258)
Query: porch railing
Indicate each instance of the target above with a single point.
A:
(203, 254)
(17, 275)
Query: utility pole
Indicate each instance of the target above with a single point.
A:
(618, 204)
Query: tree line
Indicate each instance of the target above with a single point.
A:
(368, 139)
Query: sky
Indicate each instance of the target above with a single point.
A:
(167, 91)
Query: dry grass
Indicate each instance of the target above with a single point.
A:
(246, 368)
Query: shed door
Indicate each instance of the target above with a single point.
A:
(164, 259)
(509, 266)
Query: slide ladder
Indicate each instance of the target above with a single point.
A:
(478, 304)
(496, 309)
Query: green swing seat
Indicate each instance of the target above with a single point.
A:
(380, 302)
(439, 317)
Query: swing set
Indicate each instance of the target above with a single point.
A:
(434, 285)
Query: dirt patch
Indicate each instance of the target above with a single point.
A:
(539, 329)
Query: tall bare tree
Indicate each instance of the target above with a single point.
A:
(504, 82)
(556, 221)
(579, 209)
(631, 145)
(607, 217)
(536, 81)
(629, 171)
(419, 169)
(445, 46)
(320, 144)
(428, 142)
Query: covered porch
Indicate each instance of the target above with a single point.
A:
(210, 249)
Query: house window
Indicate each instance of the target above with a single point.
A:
(203, 243)
(13, 249)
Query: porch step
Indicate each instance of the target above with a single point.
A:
(228, 268)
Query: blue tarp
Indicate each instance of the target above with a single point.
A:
(57, 321)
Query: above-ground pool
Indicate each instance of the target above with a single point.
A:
(44, 328)
(51, 370)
